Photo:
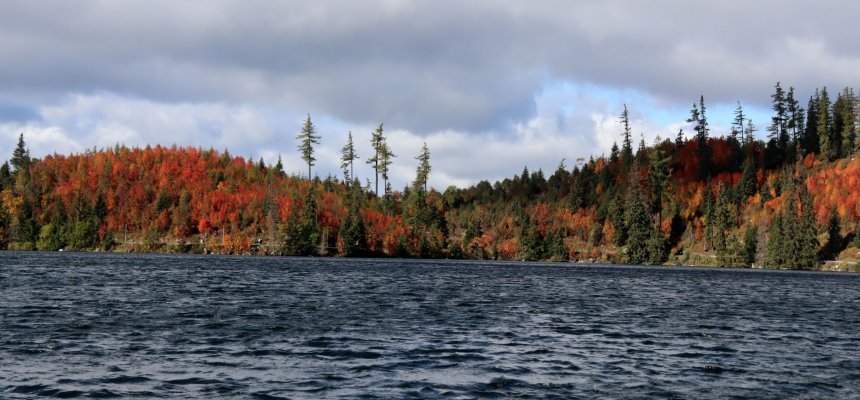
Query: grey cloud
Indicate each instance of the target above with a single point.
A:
(423, 66)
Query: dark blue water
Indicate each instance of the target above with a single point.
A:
(107, 325)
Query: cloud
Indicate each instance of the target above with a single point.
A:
(490, 85)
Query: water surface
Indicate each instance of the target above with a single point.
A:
(119, 325)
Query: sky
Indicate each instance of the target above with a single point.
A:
(490, 86)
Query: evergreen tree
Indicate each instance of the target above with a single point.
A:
(844, 121)
(5, 176)
(778, 132)
(377, 143)
(352, 230)
(423, 168)
(703, 150)
(638, 222)
(626, 144)
(20, 157)
(724, 221)
(794, 126)
(279, 166)
(27, 228)
(556, 249)
(582, 194)
(738, 125)
(810, 140)
(659, 174)
(750, 246)
(834, 237)
(308, 138)
(827, 146)
(532, 246)
(748, 185)
(775, 243)
(348, 156)
(302, 232)
(806, 232)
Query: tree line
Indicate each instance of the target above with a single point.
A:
(788, 200)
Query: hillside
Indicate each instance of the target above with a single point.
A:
(791, 201)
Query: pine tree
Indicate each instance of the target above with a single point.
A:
(638, 222)
(777, 129)
(377, 143)
(348, 156)
(626, 144)
(423, 172)
(738, 125)
(844, 121)
(20, 157)
(5, 176)
(302, 231)
(834, 237)
(775, 243)
(724, 221)
(806, 232)
(352, 230)
(750, 246)
(810, 140)
(659, 174)
(749, 180)
(794, 126)
(703, 150)
(279, 166)
(827, 146)
(308, 138)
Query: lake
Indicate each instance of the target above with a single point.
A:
(179, 326)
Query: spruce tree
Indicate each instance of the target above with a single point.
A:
(775, 243)
(5, 176)
(424, 168)
(377, 143)
(807, 232)
(308, 138)
(352, 230)
(626, 144)
(750, 246)
(834, 237)
(827, 145)
(659, 174)
(348, 156)
(703, 150)
(810, 141)
(777, 128)
(20, 157)
(638, 222)
(748, 185)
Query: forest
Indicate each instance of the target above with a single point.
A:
(788, 201)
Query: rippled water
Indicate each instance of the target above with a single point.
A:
(107, 325)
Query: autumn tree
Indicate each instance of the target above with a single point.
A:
(307, 139)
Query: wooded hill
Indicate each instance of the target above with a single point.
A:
(789, 201)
